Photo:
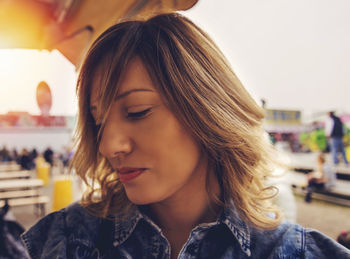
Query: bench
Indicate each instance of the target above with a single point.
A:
(341, 175)
(20, 184)
(333, 196)
(340, 194)
(18, 194)
(7, 167)
(38, 201)
(307, 162)
(15, 175)
(23, 192)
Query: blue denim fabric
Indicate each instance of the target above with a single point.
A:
(337, 146)
(72, 233)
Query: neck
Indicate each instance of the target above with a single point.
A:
(180, 213)
(187, 207)
(173, 215)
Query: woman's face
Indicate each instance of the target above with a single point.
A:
(155, 157)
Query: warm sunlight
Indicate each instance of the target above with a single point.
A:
(21, 71)
(22, 24)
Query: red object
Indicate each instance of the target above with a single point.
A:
(44, 98)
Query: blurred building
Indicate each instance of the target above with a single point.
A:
(283, 121)
(23, 130)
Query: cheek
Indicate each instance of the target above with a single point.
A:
(162, 143)
(173, 147)
(174, 159)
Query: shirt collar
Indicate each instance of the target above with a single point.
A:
(124, 226)
(237, 226)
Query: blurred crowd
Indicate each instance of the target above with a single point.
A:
(27, 158)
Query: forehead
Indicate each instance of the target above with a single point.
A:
(134, 76)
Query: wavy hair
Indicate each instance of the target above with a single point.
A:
(200, 88)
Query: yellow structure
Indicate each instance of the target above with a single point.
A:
(43, 170)
(62, 193)
(347, 151)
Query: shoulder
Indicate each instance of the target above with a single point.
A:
(318, 245)
(50, 236)
(294, 241)
(286, 240)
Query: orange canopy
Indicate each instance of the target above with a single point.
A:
(71, 25)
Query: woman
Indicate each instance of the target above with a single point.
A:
(323, 180)
(172, 148)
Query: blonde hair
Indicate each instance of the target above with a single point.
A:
(321, 158)
(200, 88)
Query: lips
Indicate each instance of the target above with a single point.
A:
(128, 174)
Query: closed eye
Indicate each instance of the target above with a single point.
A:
(138, 115)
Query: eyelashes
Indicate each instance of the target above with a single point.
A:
(133, 116)
(138, 115)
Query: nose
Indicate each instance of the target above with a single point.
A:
(115, 142)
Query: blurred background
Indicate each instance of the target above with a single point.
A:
(292, 56)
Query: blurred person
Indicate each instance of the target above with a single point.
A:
(25, 160)
(4, 154)
(323, 179)
(14, 155)
(33, 155)
(66, 156)
(335, 131)
(173, 152)
(49, 155)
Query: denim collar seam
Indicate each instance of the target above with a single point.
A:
(229, 217)
(238, 228)
(123, 230)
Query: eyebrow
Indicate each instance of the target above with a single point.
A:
(93, 107)
(131, 91)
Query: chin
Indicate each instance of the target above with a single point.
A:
(140, 199)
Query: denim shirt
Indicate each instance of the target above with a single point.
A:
(72, 233)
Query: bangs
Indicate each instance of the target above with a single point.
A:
(105, 65)
(112, 52)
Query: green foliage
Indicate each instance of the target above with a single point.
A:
(315, 140)
(319, 140)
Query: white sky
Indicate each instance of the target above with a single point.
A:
(293, 53)
(22, 70)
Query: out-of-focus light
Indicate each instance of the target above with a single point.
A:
(22, 24)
